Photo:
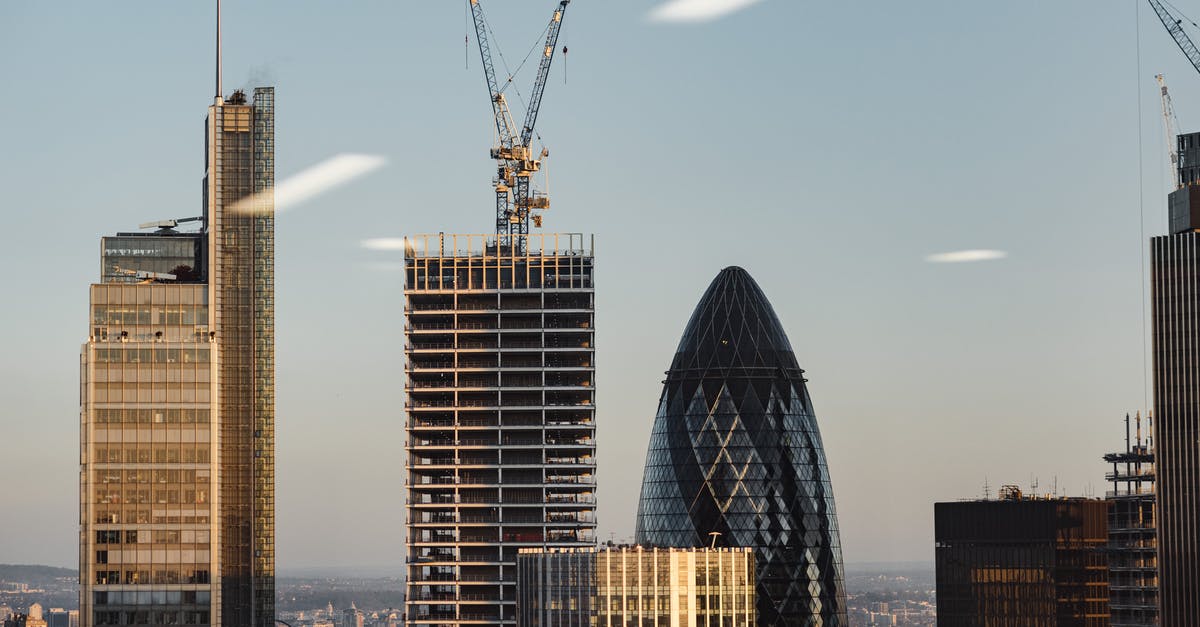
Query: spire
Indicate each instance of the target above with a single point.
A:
(218, 94)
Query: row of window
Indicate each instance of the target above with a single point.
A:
(151, 393)
(146, 617)
(155, 536)
(151, 597)
(152, 355)
(169, 315)
(187, 495)
(133, 454)
(187, 476)
(175, 574)
(145, 557)
(151, 416)
(178, 515)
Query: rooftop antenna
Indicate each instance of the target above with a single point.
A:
(714, 535)
(987, 490)
(218, 94)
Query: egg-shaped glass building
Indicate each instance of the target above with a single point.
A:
(735, 457)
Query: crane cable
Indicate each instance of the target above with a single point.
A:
(1141, 200)
(1181, 13)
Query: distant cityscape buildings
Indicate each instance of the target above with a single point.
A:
(1022, 560)
(1175, 346)
(619, 586)
(1132, 543)
(735, 457)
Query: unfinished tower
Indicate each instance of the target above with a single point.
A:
(501, 416)
(1132, 543)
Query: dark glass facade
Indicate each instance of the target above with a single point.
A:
(1020, 561)
(1175, 298)
(735, 450)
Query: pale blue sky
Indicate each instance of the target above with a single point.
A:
(825, 147)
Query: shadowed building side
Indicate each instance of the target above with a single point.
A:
(735, 450)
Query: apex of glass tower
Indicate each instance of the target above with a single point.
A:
(736, 459)
(733, 326)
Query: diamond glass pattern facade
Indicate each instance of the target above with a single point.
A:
(735, 450)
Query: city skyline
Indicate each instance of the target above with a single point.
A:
(879, 308)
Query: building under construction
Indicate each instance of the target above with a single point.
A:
(500, 383)
(501, 416)
(1132, 546)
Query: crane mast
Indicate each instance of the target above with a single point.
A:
(1169, 126)
(516, 201)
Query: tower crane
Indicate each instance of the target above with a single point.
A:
(516, 201)
(1170, 123)
(1175, 28)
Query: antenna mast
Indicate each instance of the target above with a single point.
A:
(218, 94)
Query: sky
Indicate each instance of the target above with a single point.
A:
(828, 148)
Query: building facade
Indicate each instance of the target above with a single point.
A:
(177, 402)
(619, 586)
(1175, 345)
(500, 383)
(735, 451)
(1022, 561)
(1132, 544)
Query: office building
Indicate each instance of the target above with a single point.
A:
(58, 617)
(1175, 304)
(500, 382)
(1022, 561)
(619, 586)
(1132, 545)
(736, 458)
(177, 506)
(352, 617)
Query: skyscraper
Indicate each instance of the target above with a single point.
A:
(735, 451)
(177, 507)
(1022, 561)
(501, 415)
(1175, 302)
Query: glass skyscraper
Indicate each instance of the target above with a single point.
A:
(177, 507)
(735, 451)
(1175, 303)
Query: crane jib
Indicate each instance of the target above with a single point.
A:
(514, 156)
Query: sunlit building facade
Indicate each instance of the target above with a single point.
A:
(736, 457)
(177, 401)
(619, 586)
(500, 384)
(1022, 561)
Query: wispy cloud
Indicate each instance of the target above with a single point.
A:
(384, 243)
(320, 178)
(966, 256)
(698, 10)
